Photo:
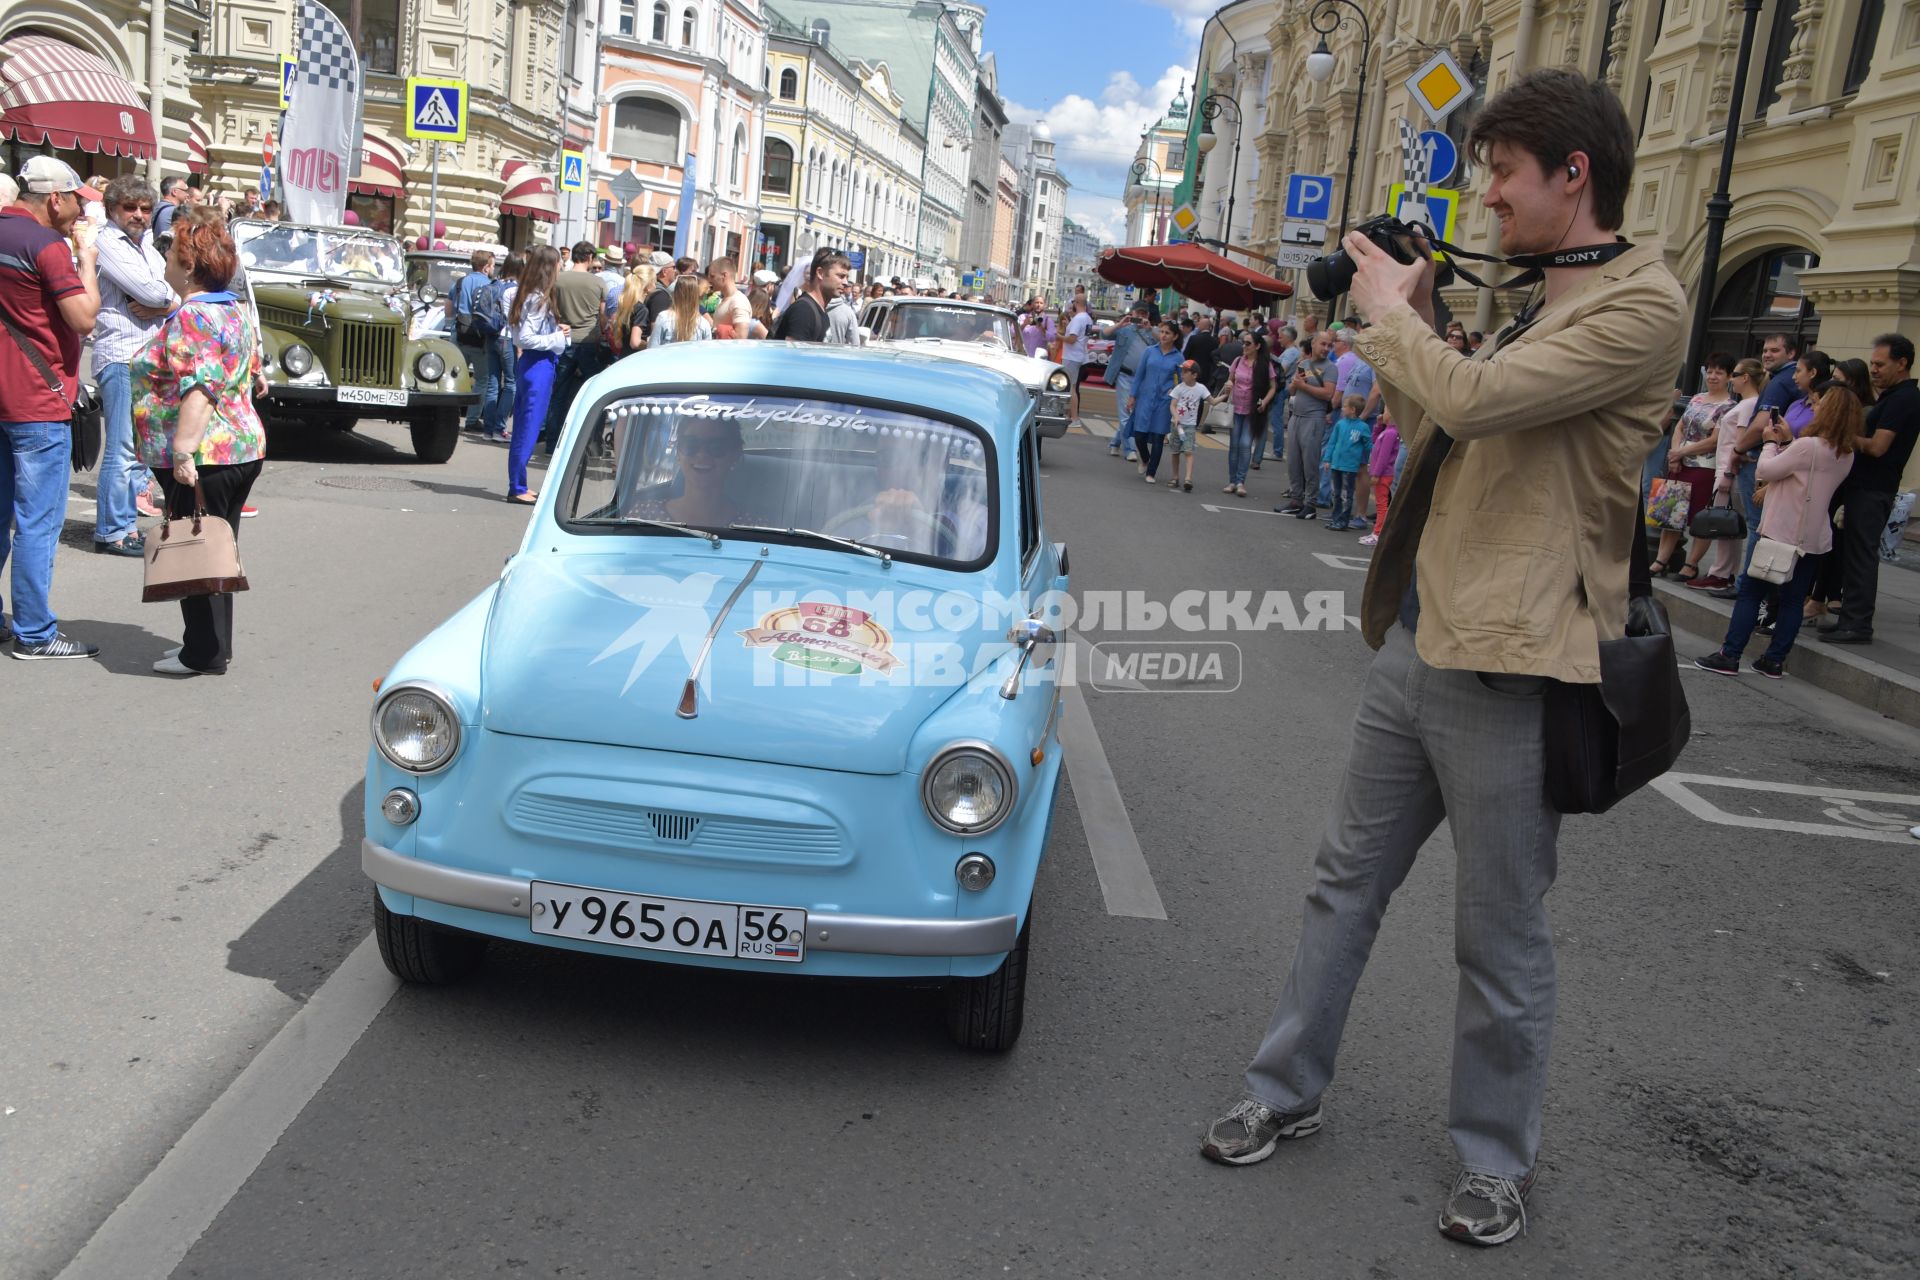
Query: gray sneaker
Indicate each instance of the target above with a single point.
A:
(1484, 1209)
(58, 647)
(1248, 1133)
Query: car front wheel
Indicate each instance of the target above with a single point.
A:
(416, 950)
(434, 439)
(986, 1013)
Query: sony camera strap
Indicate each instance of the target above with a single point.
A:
(1534, 266)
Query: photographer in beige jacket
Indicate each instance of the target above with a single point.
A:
(1502, 565)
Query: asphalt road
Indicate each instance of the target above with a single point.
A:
(1736, 1079)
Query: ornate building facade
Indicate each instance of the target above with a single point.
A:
(1159, 164)
(842, 162)
(1824, 237)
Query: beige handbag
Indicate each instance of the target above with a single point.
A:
(193, 556)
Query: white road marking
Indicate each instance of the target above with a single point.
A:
(1358, 564)
(1851, 820)
(1246, 511)
(153, 1228)
(1126, 882)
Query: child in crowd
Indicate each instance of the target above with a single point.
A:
(1189, 397)
(1347, 443)
(1380, 466)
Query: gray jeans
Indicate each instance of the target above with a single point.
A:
(1306, 438)
(1432, 744)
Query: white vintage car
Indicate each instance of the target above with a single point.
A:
(978, 333)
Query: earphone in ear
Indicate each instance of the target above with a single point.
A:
(1573, 171)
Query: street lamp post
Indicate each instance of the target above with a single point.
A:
(1139, 172)
(1720, 204)
(1326, 18)
(1210, 107)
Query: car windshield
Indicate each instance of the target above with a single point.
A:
(278, 248)
(961, 324)
(833, 473)
(438, 274)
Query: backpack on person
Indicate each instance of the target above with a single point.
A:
(487, 319)
(464, 331)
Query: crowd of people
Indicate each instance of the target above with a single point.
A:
(176, 356)
(1288, 391)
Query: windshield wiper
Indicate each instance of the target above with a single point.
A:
(671, 526)
(878, 553)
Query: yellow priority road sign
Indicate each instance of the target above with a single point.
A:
(1439, 86)
(1185, 219)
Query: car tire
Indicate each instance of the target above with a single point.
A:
(416, 950)
(433, 441)
(987, 1013)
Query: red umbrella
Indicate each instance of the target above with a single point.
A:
(1192, 271)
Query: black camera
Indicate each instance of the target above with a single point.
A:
(1333, 274)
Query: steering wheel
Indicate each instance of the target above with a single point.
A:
(896, 541)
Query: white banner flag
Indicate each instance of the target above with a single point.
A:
(321, 142)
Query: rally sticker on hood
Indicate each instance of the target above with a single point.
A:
(830, 638)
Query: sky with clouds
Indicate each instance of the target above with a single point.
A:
(1098, 75)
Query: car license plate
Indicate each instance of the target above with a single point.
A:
(373, 395)
(682, 925)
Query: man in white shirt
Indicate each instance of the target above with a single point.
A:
(134, 299)
(1073, 353)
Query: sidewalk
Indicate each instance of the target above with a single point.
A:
(1883, 676)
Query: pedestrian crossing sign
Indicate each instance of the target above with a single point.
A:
(286, 80)
(436, 109)
(1436, 207)
(573, 171)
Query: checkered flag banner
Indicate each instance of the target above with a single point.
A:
(1413, 161)
(321, 140)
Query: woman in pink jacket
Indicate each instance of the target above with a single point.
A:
(1800, 476)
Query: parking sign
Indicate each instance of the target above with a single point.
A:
(1309, 198)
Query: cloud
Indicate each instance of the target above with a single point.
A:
(1191, 15)
(1095, 140)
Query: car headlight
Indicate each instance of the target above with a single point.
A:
(968, 789)
(416, 729)
(429, 367)
(297, 360)
(1058, 381)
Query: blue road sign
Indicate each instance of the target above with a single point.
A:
(1440, 155)
(437, 109)
(1309, 198)
(857, 259)
(605, 211)
(573, 171)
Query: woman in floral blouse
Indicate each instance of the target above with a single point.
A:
(194, 419)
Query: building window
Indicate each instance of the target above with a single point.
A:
(789, 85)
(776, 168)
(1177, 156)
(379, 33)
(646, 129)
(629, 15)
(818, 30)
(1779, 43)
(1607, 28)
(660, 14)
(686, 28)
(1865, 32)
(1762, 298)
(738, 164)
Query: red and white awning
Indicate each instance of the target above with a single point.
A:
(383, 171)
(54, 93)
(197, 143)
(529, 192)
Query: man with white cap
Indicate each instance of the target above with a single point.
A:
(49, 298)
(662, 296)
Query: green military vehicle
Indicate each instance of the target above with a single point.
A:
(340, 337)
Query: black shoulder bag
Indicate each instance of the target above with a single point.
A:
(85, 420)
(1605, 741)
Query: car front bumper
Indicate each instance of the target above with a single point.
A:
(826, 931)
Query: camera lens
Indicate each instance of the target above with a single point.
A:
(1330, 275)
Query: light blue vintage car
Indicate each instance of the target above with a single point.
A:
(767, 686)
